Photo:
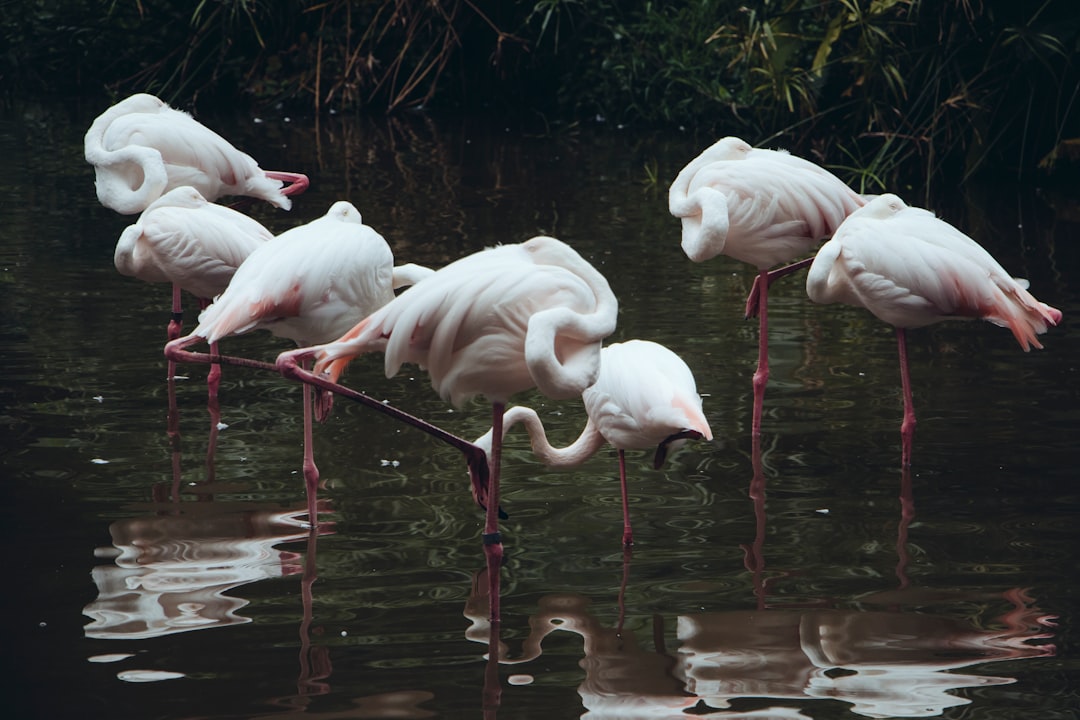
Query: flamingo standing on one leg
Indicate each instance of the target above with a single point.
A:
(762, 207)
(494, 323)
(911, 269)
(141, 148)
(644, 397)
(183, 239)
(309, 284)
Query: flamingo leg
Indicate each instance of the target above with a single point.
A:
(475, 458)
(771, 277)
(213, 378)
(907, 514)
(213, 385)
(627, 533)
(627, 554)
(491, 697)
(176, 320)
(756, 554)
(761, 376)
(177, 351)
(175, 328)
(493, 548)
(311, 473)
(314, 660)
(173, 431)
(907, 427)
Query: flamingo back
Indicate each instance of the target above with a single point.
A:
(910, 269)
(183, 239)
(762, 207)
(309, 284)
(494, 323)
(141, 148)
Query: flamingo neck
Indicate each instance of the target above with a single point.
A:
(562, 347)
(586, 445)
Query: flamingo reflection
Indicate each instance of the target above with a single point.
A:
(882, 663)
(171, 573)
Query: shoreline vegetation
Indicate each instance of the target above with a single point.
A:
(875, 89)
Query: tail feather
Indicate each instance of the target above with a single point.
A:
(1025, 316)
(233, 318)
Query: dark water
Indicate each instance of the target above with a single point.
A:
(813, 592)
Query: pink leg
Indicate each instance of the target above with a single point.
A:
(761, 377)
(493, 548)
(311, 473)
(314, 660)
(173, 432)
(288, 364)
(756, 554)
(907, 427)
(770, 278)
(176, 322)
(627, 532)
(214, 408)
(626, 555)
(492, 693)
(176, 326)
(213, 378)
(907, 514)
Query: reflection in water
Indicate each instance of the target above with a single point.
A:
(170, 572)
(883, 663)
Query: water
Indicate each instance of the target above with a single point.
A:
(144, 583)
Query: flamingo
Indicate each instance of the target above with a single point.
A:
(141, 148)
(762, 207)
(309, 284)
(910, 269)
(645, 396)
(184, 239)
(494, 323)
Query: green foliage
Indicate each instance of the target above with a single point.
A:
(875, 87)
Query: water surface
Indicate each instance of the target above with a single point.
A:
(811, 579)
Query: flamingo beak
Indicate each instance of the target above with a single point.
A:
(662, 448)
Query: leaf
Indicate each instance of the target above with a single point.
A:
(832, 33)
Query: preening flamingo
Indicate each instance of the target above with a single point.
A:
(141, 148)
(911, 269)
(645, 396)
(184, 239)
(309, 284)
(494, 323)
(762, 207)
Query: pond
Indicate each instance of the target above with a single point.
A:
(807, 577)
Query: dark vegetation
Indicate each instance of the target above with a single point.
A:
(933, 90)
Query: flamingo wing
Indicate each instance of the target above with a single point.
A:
(493, 323)
(198, 249)
(758, 206)
(141, 148)
(912, 269)
(309, 284)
